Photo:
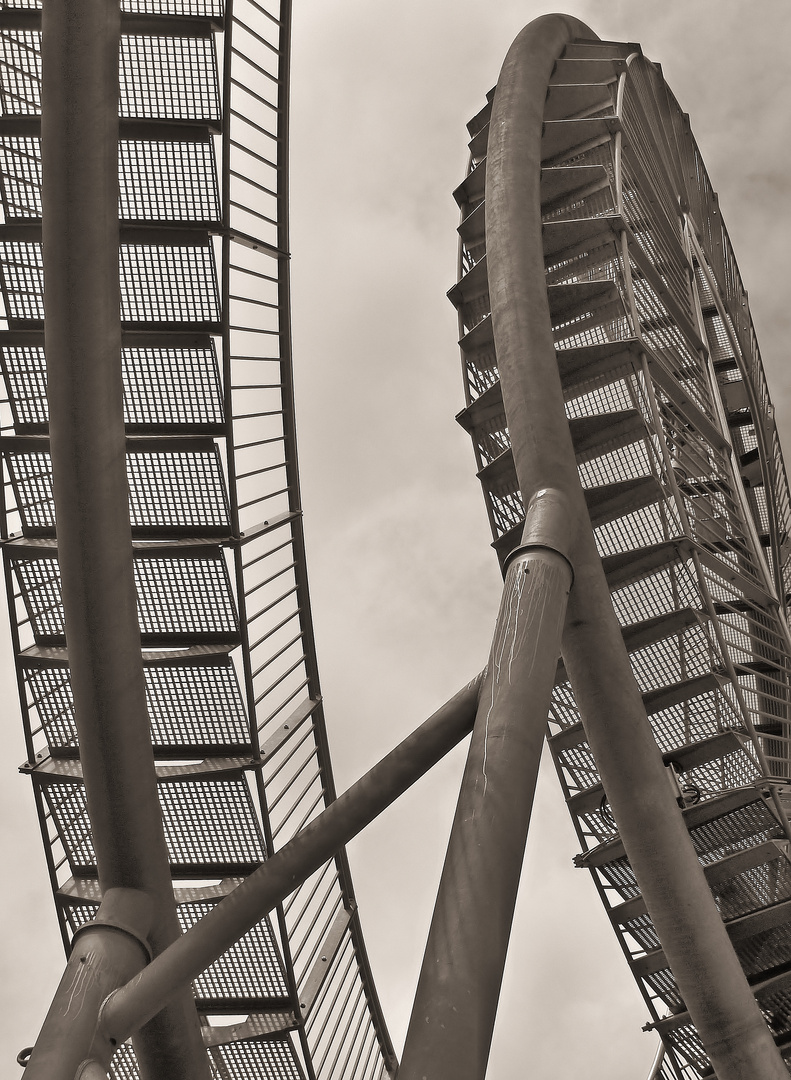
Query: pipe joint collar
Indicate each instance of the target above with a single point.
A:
(549, 523)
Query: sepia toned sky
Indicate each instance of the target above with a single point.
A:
(404, 584)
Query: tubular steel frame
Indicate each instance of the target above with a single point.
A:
(597, 286)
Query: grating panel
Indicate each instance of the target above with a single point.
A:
(187, 596)
(735, 831)
(766, 951)
(168, 284)
(175, 386)
(754, 889)
(210, 823)
(22, 277)
(196, 707)
(20, 169)
(170, 491)
(273, 1059)
(177, 597)
(249, 969)
(51, 697)
(39, 582)
(158, 180)
(20, 72)
(168, 181)
(124, 1064)
(167, 491)
(173, 78)
(204, 8)
(25, 371)
(172, 386)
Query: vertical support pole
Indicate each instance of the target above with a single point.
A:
(652, 829)
(452, 1020)
(80, 89)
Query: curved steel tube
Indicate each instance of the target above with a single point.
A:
(671, 879)
(83, 350)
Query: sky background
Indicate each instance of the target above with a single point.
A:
(404, 584)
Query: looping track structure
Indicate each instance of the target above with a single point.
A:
(625, 442)
(230, 675)
(678, 456)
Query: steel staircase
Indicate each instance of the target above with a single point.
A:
(686, 493)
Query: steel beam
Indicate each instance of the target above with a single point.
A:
(656, 841)
(132, 1005)
(83, 347)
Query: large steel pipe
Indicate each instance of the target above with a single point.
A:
(671, 879)
(106, 952)
(133, 1004)
(450, 1030)
(83, 349)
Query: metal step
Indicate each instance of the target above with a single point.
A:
(570, 238)
(577, 299)
(685, 757)
(665, 697)
(587, 365)
(629, 566)
(479, 142)
(489, 406)
(732, 866)
(559, 187)
(694, 816)
(578, 101)
(194, 655)
(472, 286)
(640, 635)
(598, 69)
(473, 187)
(597, 49)
(562, 139)
(611, 501)
(473, 228)
(605, 504)
(482, 117)
(478, 344)
(594, 436)
(566, 184)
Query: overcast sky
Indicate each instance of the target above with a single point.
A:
(404, 584)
